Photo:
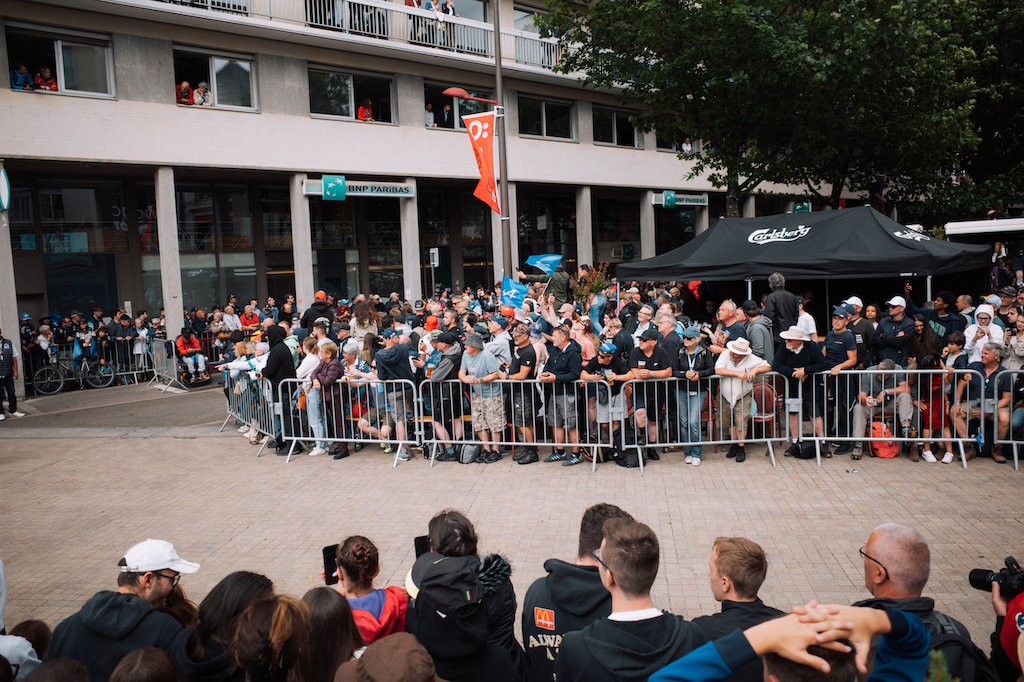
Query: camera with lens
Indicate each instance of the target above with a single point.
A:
(1010, 579)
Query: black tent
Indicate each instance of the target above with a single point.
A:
(843, 244)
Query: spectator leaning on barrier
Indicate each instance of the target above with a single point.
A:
(446, 397)
(569, 598)
(606, 406)
(799, 359)
(393, 365)
(841, 353)
(113, 624)
(636, 639)
(524, 397)
(992, 392)
(693, 363)
(736, 570)
(738, 367)
(480, 371)
(647, 361)
(894, 333)
(563, 370)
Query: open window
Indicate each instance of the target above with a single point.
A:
(45, 60)
(434, 96)
(343, 95)
(214, 80)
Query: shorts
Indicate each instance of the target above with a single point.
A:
(613, 410)
(488, 413)
(378, 418)
(991, 406)
(523, 405)
(398, 401)
(563, 410)
(739, 413)
(446, 402)
(649, 398)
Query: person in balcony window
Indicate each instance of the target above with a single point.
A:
(687, 146)
(20, 78)
(201, 95)
(44, 79)
(183, 93)
(449, 8)
(365, 112)
(447, 117)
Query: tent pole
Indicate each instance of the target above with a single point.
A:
(828, 303)
(750, 288)
(928, 289)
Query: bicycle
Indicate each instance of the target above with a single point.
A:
(51, 379)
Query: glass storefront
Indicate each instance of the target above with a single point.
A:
(547, 224)
(673, 227)
(477, 254)
(616, 230)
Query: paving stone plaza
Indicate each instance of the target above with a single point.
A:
(76, 492)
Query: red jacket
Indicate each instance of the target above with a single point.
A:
(392, 616)
(185, 346)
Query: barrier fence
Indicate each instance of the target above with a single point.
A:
(99, 364)
(1013, 434)
(250, 402)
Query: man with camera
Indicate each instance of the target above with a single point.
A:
(897, 562)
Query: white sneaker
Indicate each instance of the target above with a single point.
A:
(263, 440)
(244, 429)
(928, 457)
(688, 459)
(317, 451)
(17, 414)
(947, 458)
(2, 417)
(695, 461)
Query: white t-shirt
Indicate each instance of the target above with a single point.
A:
(806, 322)
(734, 388)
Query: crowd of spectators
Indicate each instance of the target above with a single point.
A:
(591, 617)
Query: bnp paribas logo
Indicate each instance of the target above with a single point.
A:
(778, 234)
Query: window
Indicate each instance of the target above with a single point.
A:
(435, 97)
(82, 217)
(672, 142)
(221, 80)
(545, 119)
(78, 64)
(613, 127)
(23, 231)
(341, 95)
(522, 17)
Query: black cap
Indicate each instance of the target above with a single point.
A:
(649, 335)
(451, 338)
(751, 307)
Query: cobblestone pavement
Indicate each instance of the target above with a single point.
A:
(73, 500)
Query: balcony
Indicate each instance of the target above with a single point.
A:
(391, 22)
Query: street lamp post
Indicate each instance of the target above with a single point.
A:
(499, 109)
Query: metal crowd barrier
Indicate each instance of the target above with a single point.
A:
(250, 401)
(1015, 434)
(164, 359)
(532, 414)
(671, 408)
(358, 411)
(921, 400)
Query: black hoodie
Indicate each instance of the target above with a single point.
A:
(216, 668)
(110, 626)
(318, 309)
(569, 598)
(618, 651)
(279, 362)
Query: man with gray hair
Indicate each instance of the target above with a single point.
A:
(780, 306)
(897, 562)
(883, 393)
(985, 400)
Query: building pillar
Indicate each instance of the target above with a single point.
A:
(584, 227)
(9, 321)
(411, 272)
(170, 263)
(701, 219)
(648, 248)
(302, 243)
(749, 209)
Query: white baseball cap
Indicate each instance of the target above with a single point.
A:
(155, 555)
(897, 300)
(854, 300)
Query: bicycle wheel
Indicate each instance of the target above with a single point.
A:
(99, 376)
(48, 380)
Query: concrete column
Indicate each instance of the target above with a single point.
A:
(513, 212)
(9, 322)
(648, 249)
(748, 208)
(411, 245)
(302, 243)
(170, 263)
(702, 219)
(584, 226)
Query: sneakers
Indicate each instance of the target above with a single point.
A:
(2, 417)
(688, 459)
(341, 453)
(243, 429)
(490, 457)
(857, 453)
(695, 462)
(263, 441)
(403, 456)
(447, 456)
(17, 413)
(317, 451)
(573, 459)
(844, 448)
(555, 456)
(529, 457)
(928, 457)
(733, 451)
(741, 455)
(793, 450)
(388, 448)
(947, 458)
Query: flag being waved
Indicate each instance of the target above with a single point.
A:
(481, 129)
(513, 293)
(548, 262)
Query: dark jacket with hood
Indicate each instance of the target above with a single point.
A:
(318, 309)
(569, 598)
(393, 365)
(110, 626)
(964, 658)
(762, 341)
(616, 651)
(738, 615)
(218, 666)
(500, 600)
(782, 309)
(279, 362)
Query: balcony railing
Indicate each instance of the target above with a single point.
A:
(395, 23)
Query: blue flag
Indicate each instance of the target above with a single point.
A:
(548, 263)
(512, 293)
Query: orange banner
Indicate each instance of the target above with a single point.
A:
(481, 128)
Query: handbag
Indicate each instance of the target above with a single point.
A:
(302, 399)
(470, 453)
(237, 390)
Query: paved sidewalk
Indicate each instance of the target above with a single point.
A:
(72, 507)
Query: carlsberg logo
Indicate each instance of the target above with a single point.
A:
(778, 235)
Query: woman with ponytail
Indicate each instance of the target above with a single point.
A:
(269, 638)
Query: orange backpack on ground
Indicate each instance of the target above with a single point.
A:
(887, 448)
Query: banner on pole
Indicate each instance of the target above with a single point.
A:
(481, 129)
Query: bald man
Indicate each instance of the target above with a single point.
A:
(897, 562)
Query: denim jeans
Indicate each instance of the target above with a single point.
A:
(317, 416)
(1016, 420)
(688, 407)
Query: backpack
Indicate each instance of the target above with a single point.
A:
(887, 448)
(964, 659)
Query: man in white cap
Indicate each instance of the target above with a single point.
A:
(799, 359)
(862, 331)
(739, 365)
(113, 624)
(892, 338)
